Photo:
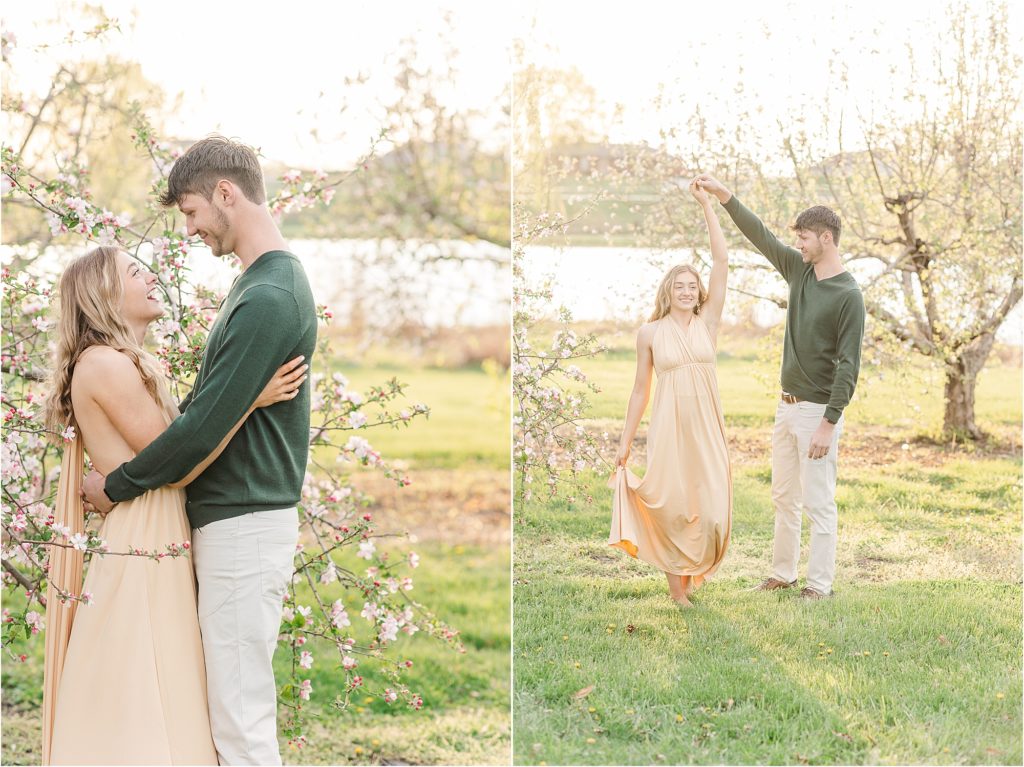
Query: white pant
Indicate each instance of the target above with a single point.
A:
(243, 566)
(800, 483)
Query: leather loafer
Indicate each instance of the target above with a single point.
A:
(808, 593)
(771, 584)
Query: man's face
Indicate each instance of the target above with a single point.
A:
(205, 218)
(809, 245)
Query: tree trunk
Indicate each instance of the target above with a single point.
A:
(961, 378)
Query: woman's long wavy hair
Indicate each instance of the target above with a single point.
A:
(91, 292)
(663, 298)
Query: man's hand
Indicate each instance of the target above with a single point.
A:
(699, 194)
(821, 441)
(92, 491)
(712, 185)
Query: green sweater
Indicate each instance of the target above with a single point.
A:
(267, 318)
(824, 321)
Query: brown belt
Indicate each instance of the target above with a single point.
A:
(789, 399)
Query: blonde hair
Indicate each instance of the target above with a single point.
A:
(90, 293)
(663, 298)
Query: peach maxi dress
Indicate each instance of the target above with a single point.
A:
(678, 517)
(133, 685)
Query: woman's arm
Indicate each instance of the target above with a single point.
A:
(641, 392)
(711, 312)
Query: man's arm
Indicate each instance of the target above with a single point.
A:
(261, 332)
(188, 399)
(786, 260)
(849, 339)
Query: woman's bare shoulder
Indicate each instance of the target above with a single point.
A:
(103, 366)
(646, 331)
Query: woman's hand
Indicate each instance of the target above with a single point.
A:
(699, 194)
(285, 383)
(623, 455)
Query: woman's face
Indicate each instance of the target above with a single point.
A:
(141, 299)
(685, 291)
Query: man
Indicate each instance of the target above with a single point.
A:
(242, 508)
(820, 364)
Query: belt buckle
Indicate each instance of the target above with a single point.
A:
(789, 399)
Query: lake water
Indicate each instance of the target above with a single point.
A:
(617, 283)
(447, 283)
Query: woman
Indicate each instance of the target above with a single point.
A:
(678, 516)
(131, 688)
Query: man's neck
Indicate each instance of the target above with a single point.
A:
(829, 266)
(261, 235)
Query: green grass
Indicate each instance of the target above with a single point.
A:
(468, 422)
(465, 717)
(917, 659)
(908, 401)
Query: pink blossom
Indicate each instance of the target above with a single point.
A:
(348, 663)
(330, 573)
(366, 549)
(414, 560)
(388, 630)
(306, 659)
(305, 689)
(35, 621)
(390, 696)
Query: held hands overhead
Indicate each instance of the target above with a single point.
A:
(713, 186)
(698, 193)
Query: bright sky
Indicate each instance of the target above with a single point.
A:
(780, 50)
(257, 70)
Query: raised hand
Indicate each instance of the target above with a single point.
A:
(698, 193)
(713, 186)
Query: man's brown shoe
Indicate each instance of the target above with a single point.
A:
(771, 584)
(808, 593)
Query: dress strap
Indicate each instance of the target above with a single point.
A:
(65, 574)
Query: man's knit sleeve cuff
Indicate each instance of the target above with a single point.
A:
(119, 488)
(833, 414)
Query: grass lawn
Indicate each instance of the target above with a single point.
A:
(916, 660)
(469, 415)
(465, 716)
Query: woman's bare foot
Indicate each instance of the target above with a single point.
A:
(676, 591)
(675, 588)
(686, 582)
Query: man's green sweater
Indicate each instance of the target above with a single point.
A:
(824, 321)
(268, 318)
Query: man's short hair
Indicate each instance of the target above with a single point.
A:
(819, 219)
(208, 161)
